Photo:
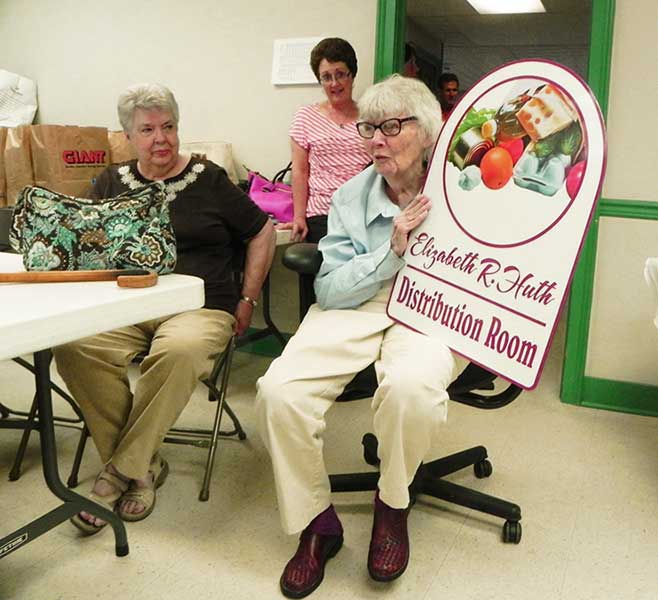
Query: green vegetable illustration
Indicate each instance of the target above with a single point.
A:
(473, 118)
(571, 139)
(545, 147)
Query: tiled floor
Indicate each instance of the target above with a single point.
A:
(587, 482)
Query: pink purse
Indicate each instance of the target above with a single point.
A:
(273, 197)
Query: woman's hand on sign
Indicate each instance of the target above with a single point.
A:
(412, 215)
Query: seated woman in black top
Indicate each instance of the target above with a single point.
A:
(209, 215)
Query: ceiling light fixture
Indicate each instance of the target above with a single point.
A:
(498, 7)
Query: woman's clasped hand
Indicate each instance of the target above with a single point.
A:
(412, 215)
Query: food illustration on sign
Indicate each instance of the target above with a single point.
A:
(534, 139)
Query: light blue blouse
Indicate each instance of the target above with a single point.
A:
(356, 252)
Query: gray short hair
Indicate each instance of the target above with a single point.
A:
(398, 95)
(147, 96)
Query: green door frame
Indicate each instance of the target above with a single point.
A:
(577, 388)
(391, 28)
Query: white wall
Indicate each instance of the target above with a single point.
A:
(216, 55)
(623, 343)
(632, 149)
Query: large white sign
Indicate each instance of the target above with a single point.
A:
(513, 181)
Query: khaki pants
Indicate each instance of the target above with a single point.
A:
(294, 395)
(127, 427)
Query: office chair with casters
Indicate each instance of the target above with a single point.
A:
(429, 480)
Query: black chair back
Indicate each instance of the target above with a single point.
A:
(6, 214)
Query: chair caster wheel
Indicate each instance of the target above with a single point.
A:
(242, 436)
(483, 469)
(512, 532)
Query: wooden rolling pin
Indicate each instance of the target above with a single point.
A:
(128, 278)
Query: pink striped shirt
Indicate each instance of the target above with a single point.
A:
(335, 154)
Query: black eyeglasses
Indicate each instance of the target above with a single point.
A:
(389, 128)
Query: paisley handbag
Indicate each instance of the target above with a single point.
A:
(55, 232)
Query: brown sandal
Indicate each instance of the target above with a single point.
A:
(109, 502)
(145, 495)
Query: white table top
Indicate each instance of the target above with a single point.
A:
(37, 316)
(282, 236)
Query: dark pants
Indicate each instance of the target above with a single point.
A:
(317, 228)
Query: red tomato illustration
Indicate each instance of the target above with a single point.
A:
(514, 147)
(496, 168)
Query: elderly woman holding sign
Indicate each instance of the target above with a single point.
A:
(370, 221)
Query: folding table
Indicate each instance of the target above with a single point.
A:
(37, 317)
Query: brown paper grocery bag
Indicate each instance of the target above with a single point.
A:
(120, 148)
(66, 158)
(3, 180)
(18, 163)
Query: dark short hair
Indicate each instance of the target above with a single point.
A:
(446, 78)
(333, 50)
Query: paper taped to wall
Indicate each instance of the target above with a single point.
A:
(18, 99)
(290, 61)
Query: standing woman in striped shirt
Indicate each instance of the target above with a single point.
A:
(326, 147)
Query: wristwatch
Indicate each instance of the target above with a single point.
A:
(249, 300)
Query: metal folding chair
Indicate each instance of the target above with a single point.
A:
(216, 382)
(208, 438)
(30, 420)
(217, 385)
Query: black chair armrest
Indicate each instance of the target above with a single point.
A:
(303, 258)
(474, 377)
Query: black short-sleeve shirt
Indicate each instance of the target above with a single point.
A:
(210, 217)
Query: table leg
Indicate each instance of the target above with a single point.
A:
(73, 503)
